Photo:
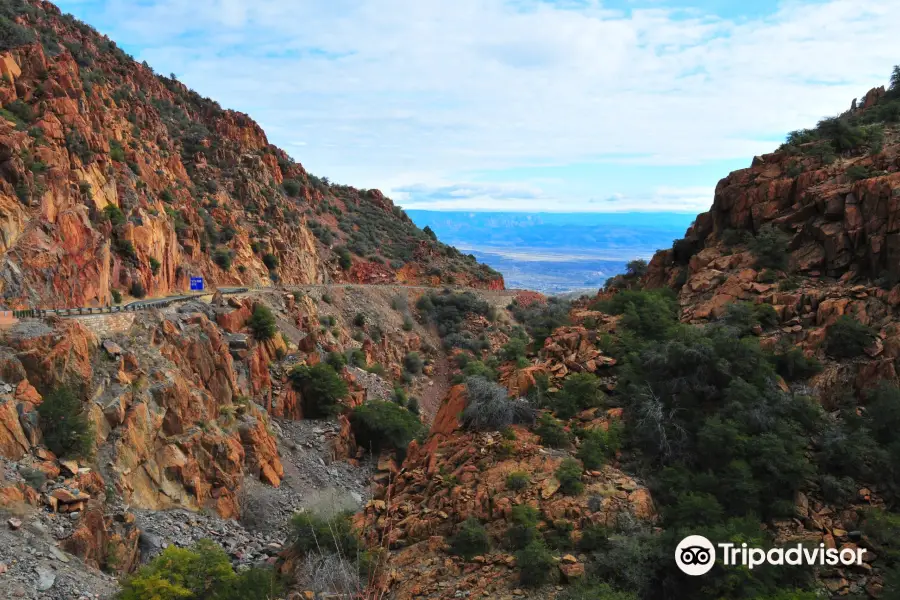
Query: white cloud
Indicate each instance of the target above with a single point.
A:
(381, 90)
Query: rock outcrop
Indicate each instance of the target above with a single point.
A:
(458, 474)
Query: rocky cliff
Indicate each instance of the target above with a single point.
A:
(833, 190)
(116, 181)
(813, 230)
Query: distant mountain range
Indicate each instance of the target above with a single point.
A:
(555, 252)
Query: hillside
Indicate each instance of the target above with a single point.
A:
(118, 181)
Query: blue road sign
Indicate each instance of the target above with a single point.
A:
(196, 284)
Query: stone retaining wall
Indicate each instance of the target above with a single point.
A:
(104, 326)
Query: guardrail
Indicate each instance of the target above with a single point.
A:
(136, 306)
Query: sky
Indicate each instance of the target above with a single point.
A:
(528, 105)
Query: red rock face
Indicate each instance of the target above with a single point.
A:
(844, 238)
(171, 430)
(102, 542)
(837, 225)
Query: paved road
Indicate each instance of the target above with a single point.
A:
(141, 305)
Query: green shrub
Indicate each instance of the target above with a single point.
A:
(359, 320)
(699, 399)
(684, 249)
(13, 35)
(154, 265)
(291, 187)
(326, 298)
(735, 237)
(523, 529)
(648, 314)
(223, 258)
(345, 261)
(262, 323)
(471, 540)
(579, 391)
(413, 363)
(116, 152)
(514, 350)
(857, 173)
(837, 490)
(744, 316)
(767, 276)
(137, 289)
(552, 432)
(794, 169)
(407, 324)
(517, 481)
(382, 425)
(569, 476)
(593, 538)
(788, 284)
(336, 360)
(636, 268)
(197, 574)
(315, 533)
(535, 564)
(124, 247)
(598, 446)
(357, 358)
(399, 396)
(114, 214)
(271, 261)
(65, 425)
(448, 311)
(793, 365)
(116, 296)
(770, 248)
(848, 338)
(559, 535)
(320, 388)
(540, 320)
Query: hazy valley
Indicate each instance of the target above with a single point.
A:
(556, 253)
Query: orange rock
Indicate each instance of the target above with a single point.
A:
(13, 442)
(572, 573)
(25, 392)
(261, 451)
(67, 497)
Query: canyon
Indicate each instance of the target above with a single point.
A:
(370, 413)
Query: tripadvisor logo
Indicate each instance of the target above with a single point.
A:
(696, 555)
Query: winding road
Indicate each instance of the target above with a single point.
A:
(148, 304)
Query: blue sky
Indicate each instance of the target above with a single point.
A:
(566, 105)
